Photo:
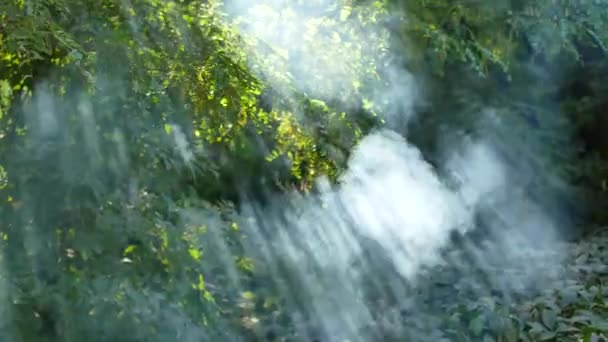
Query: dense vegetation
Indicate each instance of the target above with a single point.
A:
(133, 133)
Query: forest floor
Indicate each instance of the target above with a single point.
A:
(576, 308)
(539, 295)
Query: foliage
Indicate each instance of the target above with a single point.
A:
(130, 129)
(530, 62)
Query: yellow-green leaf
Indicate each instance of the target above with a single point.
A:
(345, 12)
(248, 295)
(130, 249)
(195, 254)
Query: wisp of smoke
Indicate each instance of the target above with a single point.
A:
(325, 249)
(390, 218)
(327, 52)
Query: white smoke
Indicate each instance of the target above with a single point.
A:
(326, 49)
(389, 194)
(397, 199)
(181, 143)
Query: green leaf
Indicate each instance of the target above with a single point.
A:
(130, 249)
(536, 328)
(195, 254)
(345, 12)
(477, 325)
(201, 283)
(549, 318)
(547, 336)
(168, 128)
(248, 295)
